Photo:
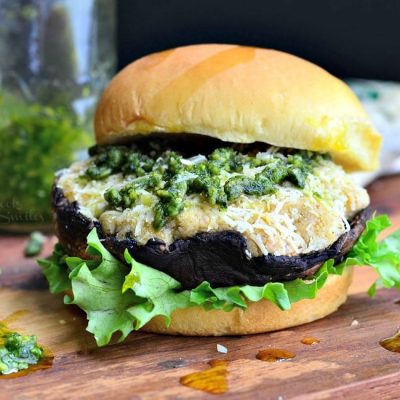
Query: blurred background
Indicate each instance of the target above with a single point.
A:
(350, 38)
(56, 56)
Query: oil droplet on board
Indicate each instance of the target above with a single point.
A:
(273, 355)
(16, 315)
(212, 380)
(4, 329)
(309, 340)
(392, 343)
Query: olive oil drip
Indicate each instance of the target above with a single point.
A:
(392, 343)
(212, 380)
(310, 340)
(44, 363)
(274, 355)
(4, 329)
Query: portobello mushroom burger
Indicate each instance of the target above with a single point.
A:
(218, 199)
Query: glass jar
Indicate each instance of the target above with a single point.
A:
(56, 56)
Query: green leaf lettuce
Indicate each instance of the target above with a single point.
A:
(122, 297)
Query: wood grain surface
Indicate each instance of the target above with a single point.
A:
(347, 363)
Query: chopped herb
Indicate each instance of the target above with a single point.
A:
(35, 244)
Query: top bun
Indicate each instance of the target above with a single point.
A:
(239, 94)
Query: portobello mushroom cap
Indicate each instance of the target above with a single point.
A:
(220, 258)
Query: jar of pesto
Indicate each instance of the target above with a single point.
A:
(56, 56)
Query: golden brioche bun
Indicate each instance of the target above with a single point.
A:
(239, 94)
(261, 316)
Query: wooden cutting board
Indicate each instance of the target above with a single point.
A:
(347, 363)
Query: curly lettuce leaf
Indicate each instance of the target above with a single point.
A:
(383, 256)
(122, 297)
(283, 294)
(162, 293)
(55, 269)
(97, 289)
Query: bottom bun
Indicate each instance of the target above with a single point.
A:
(261, 316)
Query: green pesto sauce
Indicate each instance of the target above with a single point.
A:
(171, 178)
(17, 352)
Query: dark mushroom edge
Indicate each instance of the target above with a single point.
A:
(217, 257)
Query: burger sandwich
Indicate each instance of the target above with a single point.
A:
(218, 199)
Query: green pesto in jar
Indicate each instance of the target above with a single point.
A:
(36, 141)
(170, 177)
(17, 352)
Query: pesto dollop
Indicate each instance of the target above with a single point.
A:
(18, 352)
(218, 177)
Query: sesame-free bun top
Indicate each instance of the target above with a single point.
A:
(238, 94)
